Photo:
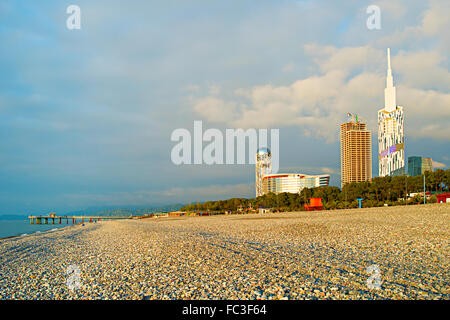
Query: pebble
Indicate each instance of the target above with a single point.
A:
(299, 255)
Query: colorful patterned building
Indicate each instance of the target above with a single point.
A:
(391, 131)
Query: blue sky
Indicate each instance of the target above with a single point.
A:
(86, 115)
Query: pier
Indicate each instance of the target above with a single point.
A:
(53, 219)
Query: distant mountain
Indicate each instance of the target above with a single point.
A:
(109, 211)
(13, 217)
(124, 211)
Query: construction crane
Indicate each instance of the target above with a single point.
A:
(354, 117)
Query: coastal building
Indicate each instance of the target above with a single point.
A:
(177, 213)
(263, 210)
(356, 152)
(413, 194)
(419, 165)
(293, 182)
(262, 168)
(315, 204)
(391, 131)
(443, 197)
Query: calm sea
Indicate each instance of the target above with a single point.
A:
(19, 227)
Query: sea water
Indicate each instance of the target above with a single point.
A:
(10, 228)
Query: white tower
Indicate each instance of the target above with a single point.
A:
(263, 167)
(389, 91)
(391, 131)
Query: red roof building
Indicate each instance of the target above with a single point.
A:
(314, 204)
(443, 197)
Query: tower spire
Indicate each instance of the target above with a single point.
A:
(389, 58)
(389, 92)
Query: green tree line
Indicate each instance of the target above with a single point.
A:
(379, 191)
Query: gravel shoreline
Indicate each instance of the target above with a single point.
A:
(300, 255)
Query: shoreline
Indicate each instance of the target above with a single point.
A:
(296, 255)
(34, 233)
(173, 218)
(247, 215)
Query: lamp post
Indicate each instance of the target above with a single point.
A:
(424, 188)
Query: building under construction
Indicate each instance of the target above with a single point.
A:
(356, 152)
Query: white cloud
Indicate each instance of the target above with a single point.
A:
(434, 24)
(439, 165)
(399, 38)
(146, 197)
(215, 110)
(330, 58)
(436, 18)
(351, 79)
(210, 192)
(213, 89)
(427, 112)
(192, 87)
(395, 9)
(329, 170)
(316, 104)
(309, 170)
(422, 69)
(289, 67)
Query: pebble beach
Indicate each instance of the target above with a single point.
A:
(298, 255)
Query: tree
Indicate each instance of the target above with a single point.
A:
(375, 193)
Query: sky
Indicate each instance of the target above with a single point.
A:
(86, 115)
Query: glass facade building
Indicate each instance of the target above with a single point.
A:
(419, 165)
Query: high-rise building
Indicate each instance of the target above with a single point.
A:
(427, 164)
(293, 182)
(356, 152)
(419, 165)
(263, 167)
(391, 134)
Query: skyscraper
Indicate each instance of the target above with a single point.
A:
(391, 134)
(263, 167)
(419, 165)
(356, 152)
